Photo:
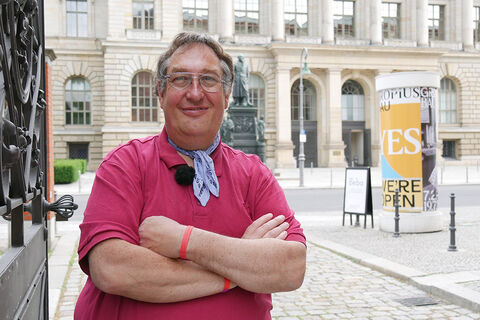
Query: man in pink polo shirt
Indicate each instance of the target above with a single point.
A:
(161, 240)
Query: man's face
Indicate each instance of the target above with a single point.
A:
(193, 115)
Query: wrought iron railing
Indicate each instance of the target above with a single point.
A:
(24, 266)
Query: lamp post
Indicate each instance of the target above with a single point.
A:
(302, 137)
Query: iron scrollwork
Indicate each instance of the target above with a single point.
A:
(22, 101)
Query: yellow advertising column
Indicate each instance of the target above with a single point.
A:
(408, 150)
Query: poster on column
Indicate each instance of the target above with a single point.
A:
(408, 148)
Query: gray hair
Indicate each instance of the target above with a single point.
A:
(186, 38)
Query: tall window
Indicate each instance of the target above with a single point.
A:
(436, 22)
(390, 20)
(448, 101)
(246, 16)
(77, 24)
(343, 18)
(77, 101)
(195, 15)
(309, 101)
(143, 14)
(296, 17)
(352, 101)
(144, 101)
(476, 24)
(256, 93)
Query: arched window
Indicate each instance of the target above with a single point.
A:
(353, 108)
(309, 101)
(256, 93)
(77, 101)
(448, 101)
(144, 101)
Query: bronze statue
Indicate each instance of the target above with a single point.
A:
(240, 82)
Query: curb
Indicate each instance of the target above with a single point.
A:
(440, 285)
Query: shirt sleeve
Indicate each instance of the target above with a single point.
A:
(115, 204)
(268, 197)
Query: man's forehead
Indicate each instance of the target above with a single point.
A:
(193, 47)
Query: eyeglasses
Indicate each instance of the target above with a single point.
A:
(182, 80)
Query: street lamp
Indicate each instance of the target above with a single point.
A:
(303, 136)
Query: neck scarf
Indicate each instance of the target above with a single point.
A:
(205, 180)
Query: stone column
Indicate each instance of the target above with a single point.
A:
(467, 23)
(283, 123)
(278, 28)
(332, 126)
(327, 26)
(376, 22)
(225, 26)
(422, 23)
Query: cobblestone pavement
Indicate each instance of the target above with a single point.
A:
(334, 288)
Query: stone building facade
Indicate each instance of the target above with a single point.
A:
(106, 52)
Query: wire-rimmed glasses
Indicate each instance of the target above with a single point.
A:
(182, 80)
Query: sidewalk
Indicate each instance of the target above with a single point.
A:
(352, 273)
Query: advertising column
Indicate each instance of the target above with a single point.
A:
(408, 150)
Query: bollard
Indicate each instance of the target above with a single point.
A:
(396, 234)
(452, 246)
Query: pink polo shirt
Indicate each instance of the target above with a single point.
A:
(135, 181)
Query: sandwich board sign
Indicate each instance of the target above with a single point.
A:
(357, 199)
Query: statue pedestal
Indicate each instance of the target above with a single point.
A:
(245, 130)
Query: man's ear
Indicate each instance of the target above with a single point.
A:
(227, 96)
(160, 95)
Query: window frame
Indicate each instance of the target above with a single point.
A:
(449, 149)
(386, 21)
(151, 98)
(297, 31)
(244, 27)
(357, 112)
(75, 33)
(143, 18)
(86, 102)
(448, 111)
(441, 22)
(343, 34)
(309, 100)
(198, 24)
(257, 94)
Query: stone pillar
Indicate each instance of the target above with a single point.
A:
(332, 129)
(225, 27)
(327, 26)
(376, 22)
(467, 24)
(278, 28)
(422, 23)
(283, 123)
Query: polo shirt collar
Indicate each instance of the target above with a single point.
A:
(171, 158)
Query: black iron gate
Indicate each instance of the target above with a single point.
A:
(24, 266)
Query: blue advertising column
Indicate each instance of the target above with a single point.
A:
(408, 150)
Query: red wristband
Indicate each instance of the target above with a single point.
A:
(183, 246)
(226, 287)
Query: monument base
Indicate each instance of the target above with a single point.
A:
(412, 222)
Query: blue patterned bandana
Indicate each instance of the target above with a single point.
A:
(205, 181)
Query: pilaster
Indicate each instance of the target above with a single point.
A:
(467, 24)
(226, 20)
(376, 22)
(278, 28)
(422, 23)
(334, 146)
(283, 122)
(327, 26)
